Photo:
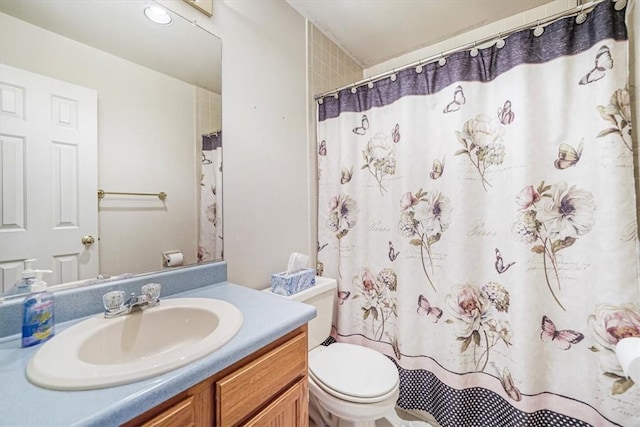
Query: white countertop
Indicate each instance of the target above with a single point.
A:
(266, 318)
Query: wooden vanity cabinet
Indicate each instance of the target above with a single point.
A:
(266, 388)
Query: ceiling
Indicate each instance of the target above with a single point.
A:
(374, 31)
(120, 28)
(370, 31)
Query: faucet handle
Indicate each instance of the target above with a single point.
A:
(113, 301)
(152, 291)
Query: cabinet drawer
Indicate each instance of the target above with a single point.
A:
(250, 387)
(179, 415)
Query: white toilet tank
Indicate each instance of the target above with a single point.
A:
(321, 296)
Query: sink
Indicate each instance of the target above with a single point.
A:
(99, 352)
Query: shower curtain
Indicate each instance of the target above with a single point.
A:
(210, 227)
(479, 216)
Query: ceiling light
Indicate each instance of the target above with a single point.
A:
(158, 15)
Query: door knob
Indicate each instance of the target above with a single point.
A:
(88, 240)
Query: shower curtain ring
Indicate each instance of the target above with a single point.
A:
(538, 30)
(581, 16)
(370, 84)
(393, 75)
(474, 51)
(442, 59)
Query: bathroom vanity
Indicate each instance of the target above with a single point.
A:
(269, 387)
(258, 378)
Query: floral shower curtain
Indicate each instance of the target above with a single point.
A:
(210, 230)
(480, 219)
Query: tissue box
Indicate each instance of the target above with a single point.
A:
(290, 283)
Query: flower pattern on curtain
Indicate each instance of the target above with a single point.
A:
(480, 219)
(210, 229)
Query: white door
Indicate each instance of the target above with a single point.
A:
(48, 177)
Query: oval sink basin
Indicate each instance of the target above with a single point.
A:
(100, 352)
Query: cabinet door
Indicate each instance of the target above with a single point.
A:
(252, 386)
(180, 415)
(288, 410)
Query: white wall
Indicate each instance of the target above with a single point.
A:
(139, 149)
(264, 122)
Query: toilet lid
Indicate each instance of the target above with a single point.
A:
(353, 370)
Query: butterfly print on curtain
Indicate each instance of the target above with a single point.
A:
(364, 126)
(438, 169)
(568, 156)
(345, 175)
(499, 264)
(322, 150)
(343, 296)
(563, 338)
(458, 101)
(603, 62)
(425, 307)
(505, 115)
(507, 383)
(395, 133)
(553, 224)
(393, 255)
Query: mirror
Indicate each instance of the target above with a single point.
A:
(148, 97)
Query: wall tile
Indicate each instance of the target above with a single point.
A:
(209, 111)
(330, 67)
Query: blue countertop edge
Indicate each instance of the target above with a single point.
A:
(266, 317)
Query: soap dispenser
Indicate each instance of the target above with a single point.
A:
(23, 285)
(37, 313)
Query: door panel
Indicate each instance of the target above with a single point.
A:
(48, 161)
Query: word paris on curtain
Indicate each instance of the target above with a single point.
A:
(480, 219)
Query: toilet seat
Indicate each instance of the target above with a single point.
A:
(353, 373)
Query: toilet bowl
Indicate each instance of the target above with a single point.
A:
(349, 385)
(352, 385)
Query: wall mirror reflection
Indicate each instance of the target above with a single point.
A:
(97, 96)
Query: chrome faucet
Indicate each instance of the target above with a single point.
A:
(115, 305)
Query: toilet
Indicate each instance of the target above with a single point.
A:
(349, 385)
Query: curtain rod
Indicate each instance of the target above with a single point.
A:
(582, 8)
